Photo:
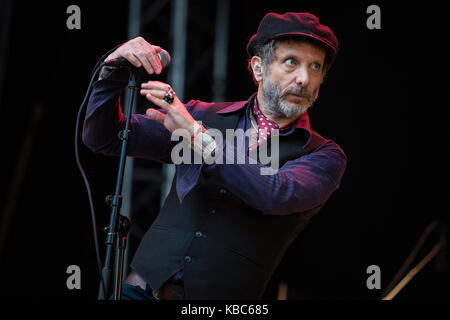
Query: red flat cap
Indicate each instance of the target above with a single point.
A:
(297, 24)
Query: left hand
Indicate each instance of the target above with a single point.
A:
(177, 116)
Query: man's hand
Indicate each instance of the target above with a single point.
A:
(177, 116)
(139, 53)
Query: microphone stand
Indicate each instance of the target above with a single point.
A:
(119, 225)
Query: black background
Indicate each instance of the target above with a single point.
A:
(384, 102)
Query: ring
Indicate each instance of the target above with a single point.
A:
(168, 97)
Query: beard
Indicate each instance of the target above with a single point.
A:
(279, 109)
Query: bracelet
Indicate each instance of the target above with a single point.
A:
(203, 143)
(200, 129)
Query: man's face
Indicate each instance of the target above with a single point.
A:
(291, 83)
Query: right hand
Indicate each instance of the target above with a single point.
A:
(139, 53)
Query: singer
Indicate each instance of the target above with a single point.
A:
(224, 228)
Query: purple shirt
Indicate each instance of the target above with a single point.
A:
(300, 185)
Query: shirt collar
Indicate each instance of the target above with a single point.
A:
(301, 123)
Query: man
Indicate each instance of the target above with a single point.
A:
(224, 227)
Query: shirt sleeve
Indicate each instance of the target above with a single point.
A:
(148, 139)
(300, 185)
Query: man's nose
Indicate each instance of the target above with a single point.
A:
(302, 76)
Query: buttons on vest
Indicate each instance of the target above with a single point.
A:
(187, 259)
(199, 234)
(223, 191)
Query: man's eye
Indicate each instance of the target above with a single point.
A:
(316, 66)
(290, 62)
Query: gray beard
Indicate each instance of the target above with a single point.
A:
(276, 107)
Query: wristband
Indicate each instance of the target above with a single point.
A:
(203, 143)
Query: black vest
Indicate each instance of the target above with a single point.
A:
(227, 249)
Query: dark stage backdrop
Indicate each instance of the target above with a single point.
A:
(384, 102)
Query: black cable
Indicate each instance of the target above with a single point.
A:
(86, 182)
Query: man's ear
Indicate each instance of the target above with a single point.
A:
(257, 68)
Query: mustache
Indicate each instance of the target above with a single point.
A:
(301, 91)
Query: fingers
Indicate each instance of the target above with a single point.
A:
(156, 85)
(156, 115)
(156, 48)
(156, 98)
(132, 59)
(140, 53)
(148, 56)
(145, 58)
(152, 54)
(155, 91)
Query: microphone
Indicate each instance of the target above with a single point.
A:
(121, 62)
